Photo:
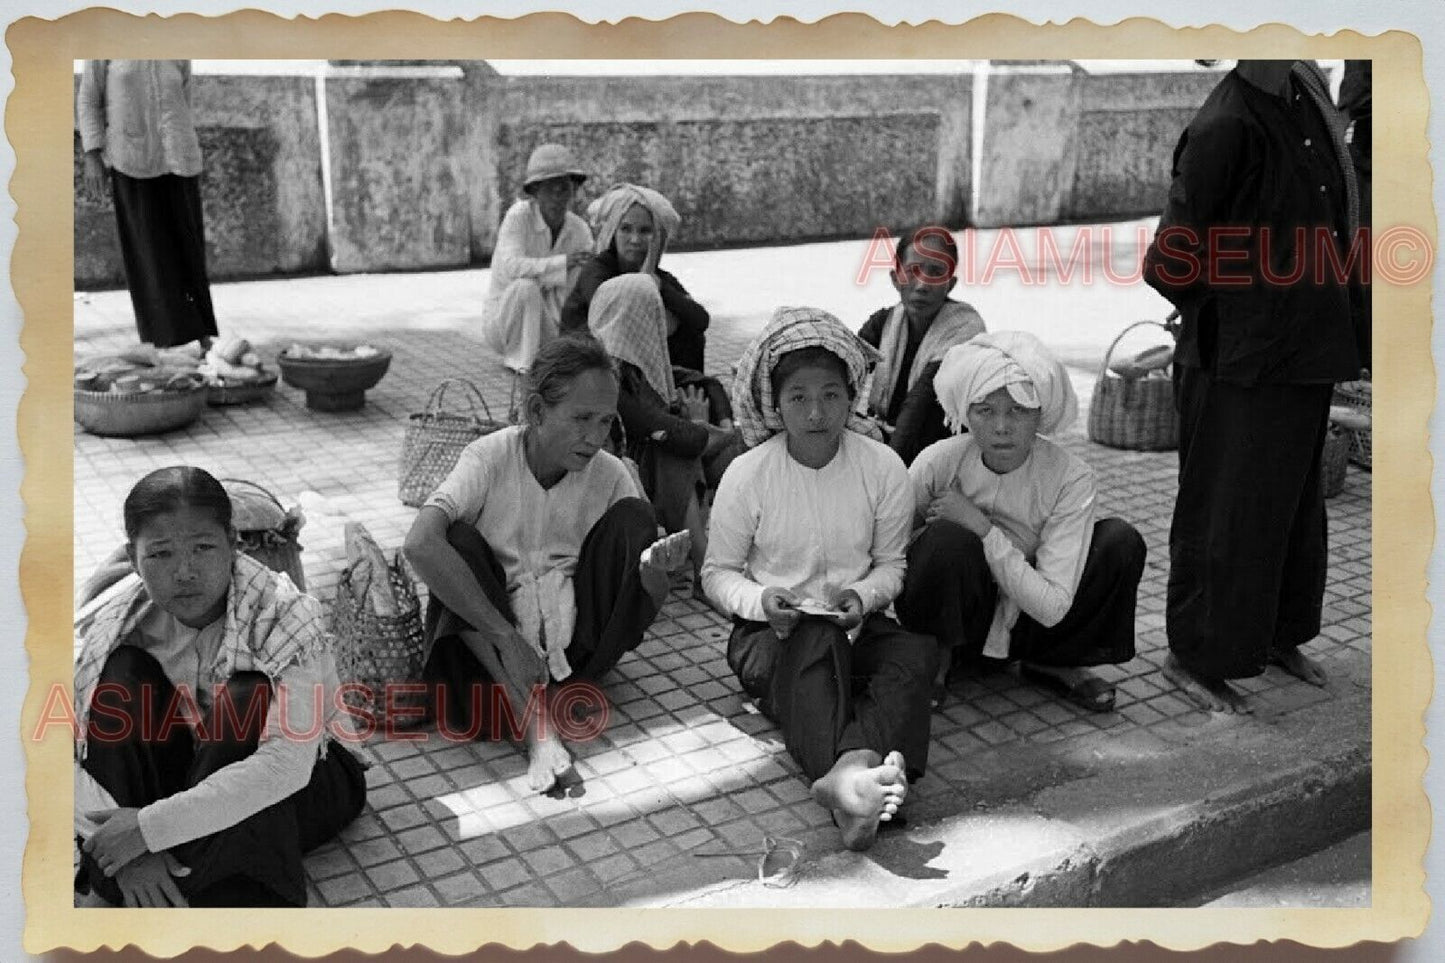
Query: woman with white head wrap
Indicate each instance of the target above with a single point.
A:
(1010, 562)
(678, 451)
(632, 226)
(807, 542)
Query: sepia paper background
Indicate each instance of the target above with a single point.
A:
(38, 125)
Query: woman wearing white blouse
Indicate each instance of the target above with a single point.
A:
(1009, 562)
(806, 550)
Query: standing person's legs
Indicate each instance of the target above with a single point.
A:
(614, 608)
(1247, 455)
(137, 221)
(193, 290)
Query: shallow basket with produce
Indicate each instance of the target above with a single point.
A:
(128, 414)
(227, 392)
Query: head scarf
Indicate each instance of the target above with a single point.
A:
(754, 410)
(627, 316)
(1014, 360)
(607, 212)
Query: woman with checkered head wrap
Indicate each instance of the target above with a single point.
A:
(806, 551)
(672, 434)
(1010, 562)
(216, 810)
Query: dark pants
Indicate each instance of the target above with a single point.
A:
(163, 247)
(950, 592)
(686, 347)
(1247, 548)
(256, 862)
(830, 697)
(613, 611)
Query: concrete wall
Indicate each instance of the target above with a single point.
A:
(421, 159)
(1127, 126)
(398, 189)
(261, 190)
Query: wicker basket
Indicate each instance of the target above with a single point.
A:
(268, 532)
(1357, 395)
(1133, 413)
(125, 415)
(375, 652)
(241, 392)
(1334, 459)
(434, 440)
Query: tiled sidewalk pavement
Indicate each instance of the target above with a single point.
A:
(685, 767)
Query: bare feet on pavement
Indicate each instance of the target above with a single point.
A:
(1297, 664)
(859, 790)
(659, 560)
(547, 759)
(1211, 695)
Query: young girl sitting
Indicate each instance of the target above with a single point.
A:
(1010, 562)
(214, 809)
(807, 545)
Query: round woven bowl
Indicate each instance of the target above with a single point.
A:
(145, 413)
(334, 384)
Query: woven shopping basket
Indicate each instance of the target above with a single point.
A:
(377, 652)
(1134, 413)
(435, 438)
(267, 531)
(1359, 396)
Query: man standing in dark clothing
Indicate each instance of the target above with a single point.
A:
(1257, 248)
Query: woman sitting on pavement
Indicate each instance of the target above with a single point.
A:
(193, 785)
(539, 556)
(912, 336)
(680, 454)
(541, 247)
(1010, 562)
(808, 535)
(633, 225)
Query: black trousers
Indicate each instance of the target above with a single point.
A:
(256, 862)
(687, 347)
(163, 247)
(1247, 548)
(950, 592)
(830, 697)
(613, 612)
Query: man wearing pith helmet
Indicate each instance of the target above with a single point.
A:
(540, 245)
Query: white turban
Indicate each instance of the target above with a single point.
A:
(1014, 360)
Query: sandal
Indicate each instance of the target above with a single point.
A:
(1093, 694)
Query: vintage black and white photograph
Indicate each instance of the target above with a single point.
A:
(722, 483)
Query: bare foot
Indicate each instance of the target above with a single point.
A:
(1211, 695)
(1297, 664)
(856, 790)
(659, 560)
(547, 759)
(893, 800)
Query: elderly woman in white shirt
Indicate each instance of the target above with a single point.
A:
(806, 551)
(176, 809)
(540, 556)
(1009, 562)
(541, 245)
(139, 139)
